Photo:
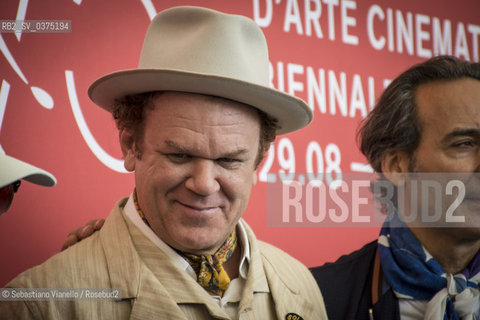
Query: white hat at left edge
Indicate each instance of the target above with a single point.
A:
(12, 169)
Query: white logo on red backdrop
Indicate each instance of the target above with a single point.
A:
(46, 100)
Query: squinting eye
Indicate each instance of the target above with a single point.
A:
(229, 163)
(464, 144)
(178, 157)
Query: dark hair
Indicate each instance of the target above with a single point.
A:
(129, 113)
(393, 125)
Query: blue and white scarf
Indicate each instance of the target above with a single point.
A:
(414, 274)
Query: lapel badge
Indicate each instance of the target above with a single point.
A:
(293, 316)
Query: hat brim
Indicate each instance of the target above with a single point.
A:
(14, 169)
(291, 112)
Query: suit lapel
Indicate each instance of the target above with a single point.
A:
(148, 297)
(256, 282)
(387, 307)
(268, 278)
(385, 304)
(154, 300)
(286, 295)
(122, 260)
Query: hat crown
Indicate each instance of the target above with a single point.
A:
(205, 41)
(203, 51)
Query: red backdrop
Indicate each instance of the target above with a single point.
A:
(335, 54)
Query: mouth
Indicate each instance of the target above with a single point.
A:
(198, 208)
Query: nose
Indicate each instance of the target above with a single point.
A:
(202, 179)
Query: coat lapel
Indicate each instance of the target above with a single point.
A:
(286, 295)
(270, 278)
(387, 307)
(148, 297)
(153, 300)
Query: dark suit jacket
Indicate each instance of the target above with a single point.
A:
(347, 284)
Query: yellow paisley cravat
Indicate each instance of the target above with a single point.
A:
(209, 268)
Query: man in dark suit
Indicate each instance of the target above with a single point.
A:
(426, 125)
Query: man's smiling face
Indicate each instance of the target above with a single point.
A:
(196, 168)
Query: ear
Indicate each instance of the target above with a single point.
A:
(395, 166)
(127, 144)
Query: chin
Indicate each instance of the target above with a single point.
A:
(204, 241)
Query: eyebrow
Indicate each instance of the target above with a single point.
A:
(458, 132)
(182, 149)
(175, 145)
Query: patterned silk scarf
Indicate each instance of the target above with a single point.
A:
(414, 274)
(209, 268)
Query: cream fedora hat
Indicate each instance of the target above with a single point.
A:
(12, 169)
(199, 50)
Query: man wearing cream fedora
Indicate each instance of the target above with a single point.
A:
(195, 119)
